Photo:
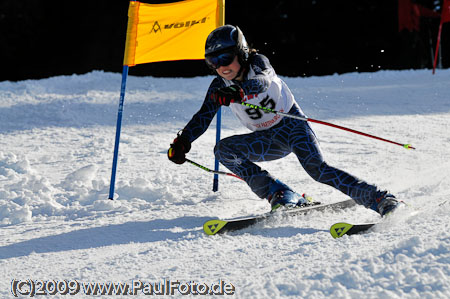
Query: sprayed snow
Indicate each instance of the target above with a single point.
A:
(56, 141)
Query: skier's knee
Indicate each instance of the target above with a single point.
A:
(223, 147)
(315, 170)
(220, 149)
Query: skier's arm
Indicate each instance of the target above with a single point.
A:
(195, 127)
(202, 119)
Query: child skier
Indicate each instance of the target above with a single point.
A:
(245, 75)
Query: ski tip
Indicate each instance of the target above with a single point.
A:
(212, 227)
(337, 230)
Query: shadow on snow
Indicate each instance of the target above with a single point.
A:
(118, 234)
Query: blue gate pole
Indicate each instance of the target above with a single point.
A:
(216, 164)
(118, 128)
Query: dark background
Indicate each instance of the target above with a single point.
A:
(46, 38)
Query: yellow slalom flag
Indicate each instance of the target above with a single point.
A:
(171, 31)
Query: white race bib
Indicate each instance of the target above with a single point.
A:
(277, 97)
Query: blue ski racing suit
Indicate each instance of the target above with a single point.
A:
(273, 136)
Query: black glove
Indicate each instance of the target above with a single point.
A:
(178, 150)
(226, 95)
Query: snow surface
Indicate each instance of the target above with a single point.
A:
(56, 223)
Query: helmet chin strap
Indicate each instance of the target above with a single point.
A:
(241, 69)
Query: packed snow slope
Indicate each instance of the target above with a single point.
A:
(56, 223)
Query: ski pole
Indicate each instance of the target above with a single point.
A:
(212, 171)
(407, 146)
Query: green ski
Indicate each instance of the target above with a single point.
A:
(218, 226)
(337, 230)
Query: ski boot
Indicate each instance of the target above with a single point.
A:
(385, 203)
(281, 195)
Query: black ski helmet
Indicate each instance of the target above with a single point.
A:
(227, 37)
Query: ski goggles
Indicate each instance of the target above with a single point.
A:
(223, 59)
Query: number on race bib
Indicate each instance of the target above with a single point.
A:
(257, 113)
